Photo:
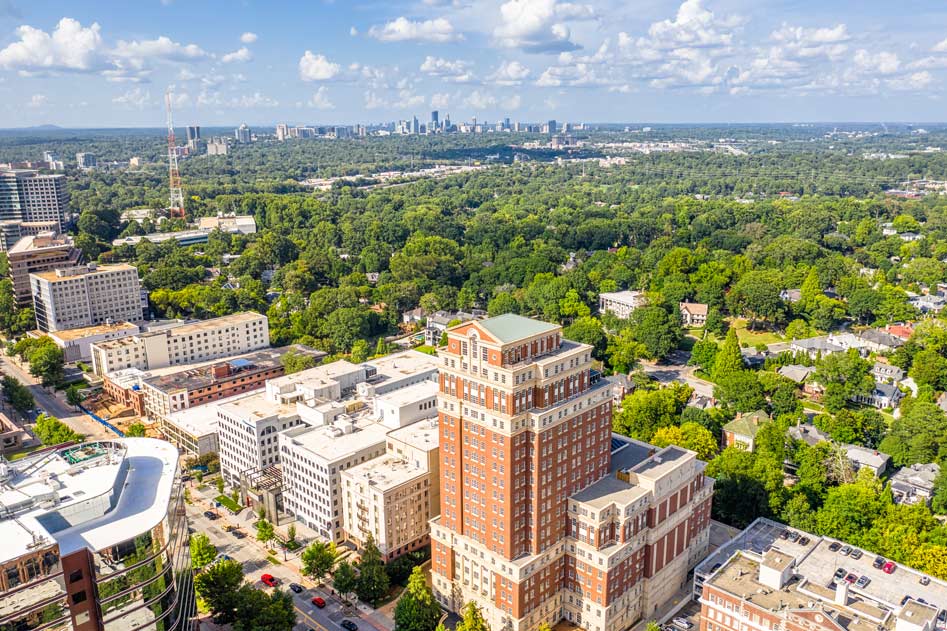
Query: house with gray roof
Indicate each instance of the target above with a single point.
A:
(796, 372)
(879, 341)
(883, 395)
(914, 484)
(886, 373)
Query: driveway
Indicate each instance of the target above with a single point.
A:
(676, 369)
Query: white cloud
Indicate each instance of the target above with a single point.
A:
(38, 100)
(402, 29)
(940, 47)
(70, 47)
(457, 71)
(510, 73)
(812, 42)
(913, 82)
(404, 99)
(539, 26)
(135, 97)
(883, 62)
(513, 102)
(440, 101)
(317, 67)
(240, 55)
(248, 37)
(693, 26)
(373, 101)
(160, 48)
(252, 101)
(480, 100)
(353, 31)
(320, 99)
(580, 74)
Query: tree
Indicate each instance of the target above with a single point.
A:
(587, 330)
(372, 584)
(417, 610)
(704, 354)
(741, 390)
(291, 533)
(219, 482)
(624, 351)
(502, 303)
(359, 352)
(17, 395)
(265, 532)
(51, 431)
(919, 435)
(689, 436)
(756, 296)
(203, 551)
(939, 499)
(318, 559)
(851, 509)
(46, 362)
(135, 430)
(728, 360)
(344, 578)
(657, 330)
(74, 396)
(739, 494)
(294, 361)
(219, 586)
(844, 376)
(471, 619)
(258, 610)
(645, 411)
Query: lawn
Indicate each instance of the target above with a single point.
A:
(426, 348)
(228, 503)
(23, 453)
(754, 338)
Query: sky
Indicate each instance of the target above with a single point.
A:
(108, 63)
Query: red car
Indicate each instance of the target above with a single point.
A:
(269, 580)
(888, 568)
(318, 602)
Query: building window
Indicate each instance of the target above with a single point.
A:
(78, 597)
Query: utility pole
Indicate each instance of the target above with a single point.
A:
(176, 207)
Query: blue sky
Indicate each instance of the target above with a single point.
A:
(107, 63)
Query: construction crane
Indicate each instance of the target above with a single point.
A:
(176, 207)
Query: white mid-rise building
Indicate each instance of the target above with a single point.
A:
(86, 295)
(621, 303)
(184, 343)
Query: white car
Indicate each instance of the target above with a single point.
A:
(682, 623)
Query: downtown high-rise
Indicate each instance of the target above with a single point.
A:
(545, 515)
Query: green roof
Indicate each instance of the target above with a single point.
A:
(744, 426)
(510, 327)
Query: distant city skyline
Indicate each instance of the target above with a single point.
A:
(107, 64)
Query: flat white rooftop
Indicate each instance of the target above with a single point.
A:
(253, 407)
(326, 443)
(420, 435)
(200, 420)
(385, 473)
(411, 394)
(403, 364)
(63, 496)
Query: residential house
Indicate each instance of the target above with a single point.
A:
(621, 303)
(796, 372)
(914, 484)
(743, 429)
(886, 373)
(693, 314)
(879, 341)
(437, 323)
(928, 303)
(621, 386)
(910, 236)
(790, 295)
(414, 316)
(901, 331)
(816, 347)
(857, 455)
(883, 395)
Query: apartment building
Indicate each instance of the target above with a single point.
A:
(30, 204)
(540, 521)
(95, 537)
(621, 303)
(38, 253)
(303, 429)
(184, 343)
(761, 580)
(86, 295)
(394, 496)
(76, 344)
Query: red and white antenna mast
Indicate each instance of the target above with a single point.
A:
(177, 194)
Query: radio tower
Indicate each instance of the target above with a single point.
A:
(177, 194)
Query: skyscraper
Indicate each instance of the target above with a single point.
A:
(545, 515)
(435, 121)
(242, 134)
(193, 132)
(282, 131)
(30, 203)
(86, 160)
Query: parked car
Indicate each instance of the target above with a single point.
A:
(851, 578)
(296, 587)
(862, 582)
(794, 536)
(269, 580)
(888, 568)
(878, 562)
(840, 573)
(834, 546)
(804, 541)
(682, 623)
(348, 625)
(846, 550)
(211, 515)
(319, 602)
(784, 534)
(925, 580)
(238, 534)
(856, 554)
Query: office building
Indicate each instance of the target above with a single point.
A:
(242, 134)
(545, 515)
(38, 253)
(95, 537)
(760, 580)
(86, 295)
(282, 131)
(193, 132)
(621, 303)
(435, 122)
(232, 223)
(76, 344)
(217, 147)
(53, 161)
(86, 161)
(393, 497)
(30, 204)
(183, 343)
(303, 429)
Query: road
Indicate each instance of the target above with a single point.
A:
(53, 404)
(253, 558)
(677, 370)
